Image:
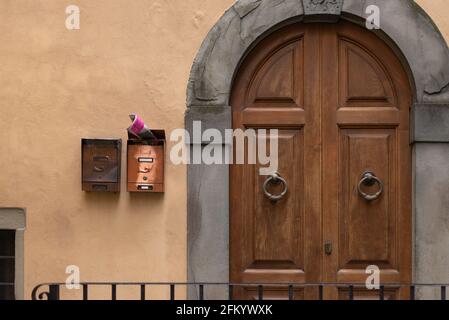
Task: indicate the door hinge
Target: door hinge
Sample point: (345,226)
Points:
(328,248)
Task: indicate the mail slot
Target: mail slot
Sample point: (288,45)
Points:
(101,163)
(146,160)
(146,163)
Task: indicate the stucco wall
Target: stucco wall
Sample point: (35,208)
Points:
(438,11)
(58,86)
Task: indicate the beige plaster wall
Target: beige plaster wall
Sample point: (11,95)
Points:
(439,12)
(58,86)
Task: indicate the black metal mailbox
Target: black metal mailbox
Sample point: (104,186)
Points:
(101,165)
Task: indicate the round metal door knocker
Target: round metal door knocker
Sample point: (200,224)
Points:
(369,179)
(276,179)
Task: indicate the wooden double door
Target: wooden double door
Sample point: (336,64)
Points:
(341,99)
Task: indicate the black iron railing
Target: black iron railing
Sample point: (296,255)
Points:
(51,291)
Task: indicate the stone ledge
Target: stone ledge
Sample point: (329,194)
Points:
(430,123)
(12,218)
(211,117)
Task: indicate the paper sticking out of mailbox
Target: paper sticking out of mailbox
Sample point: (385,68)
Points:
(139,128)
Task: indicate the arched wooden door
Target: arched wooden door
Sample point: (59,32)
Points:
(341,101)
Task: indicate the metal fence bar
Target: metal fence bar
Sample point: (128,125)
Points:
(142,292)
(172,292)
(382,293)
(260,290)
(412,292)
(290,292)
(230,291)
(201,288)
(53,293)
(85,292)
(114,291)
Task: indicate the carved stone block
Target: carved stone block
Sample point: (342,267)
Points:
(322,7)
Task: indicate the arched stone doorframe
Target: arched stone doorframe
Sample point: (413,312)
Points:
(415,38)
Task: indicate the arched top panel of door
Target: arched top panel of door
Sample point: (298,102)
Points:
(274,73)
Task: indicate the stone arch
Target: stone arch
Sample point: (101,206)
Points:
(246,21)
(415,38)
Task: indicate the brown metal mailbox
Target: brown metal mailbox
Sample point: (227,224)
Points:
(101,165)
(146,162)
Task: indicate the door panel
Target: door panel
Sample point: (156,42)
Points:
(278,80)
(367,229)
(273,245)
(365,116)
(340,99)
(272,293)
(269,240)
(363,80)
(278,231)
